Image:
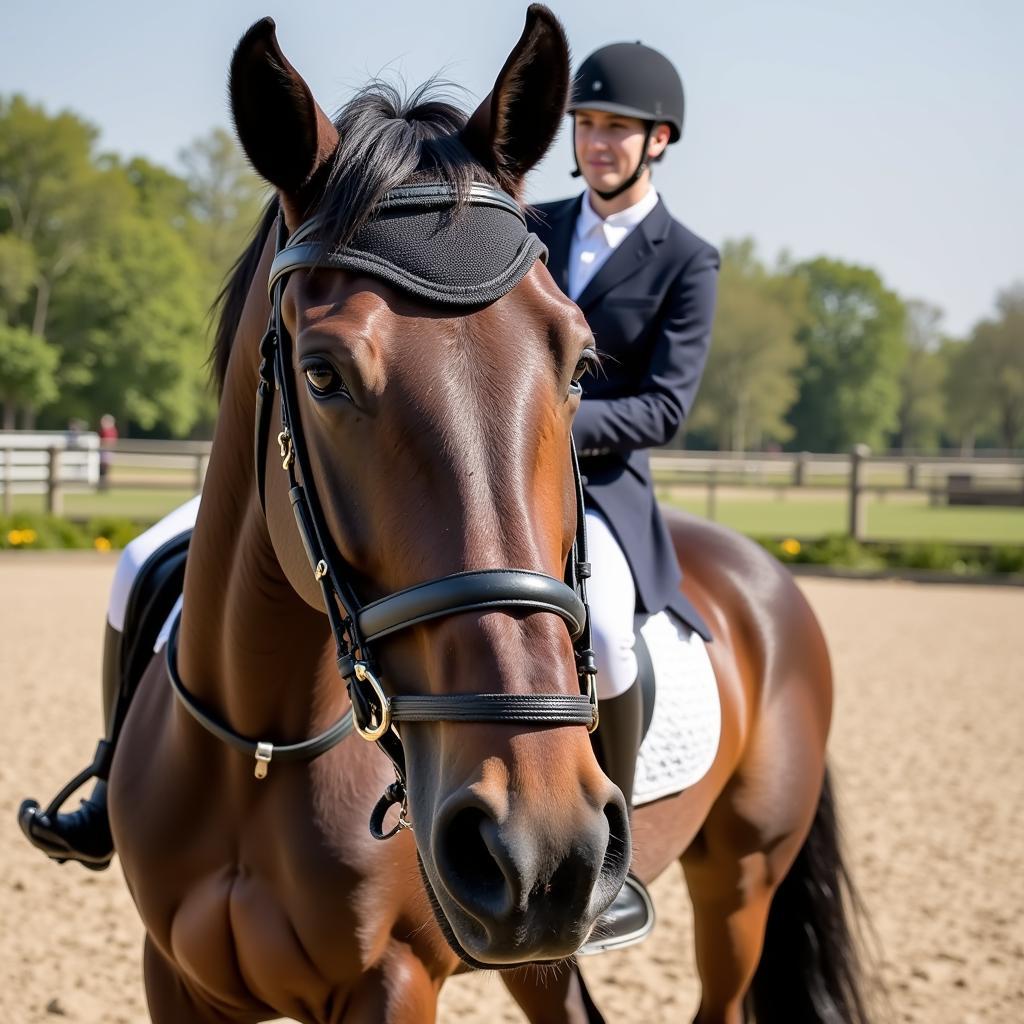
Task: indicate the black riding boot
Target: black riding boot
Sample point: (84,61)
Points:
(630,918)
(82,835)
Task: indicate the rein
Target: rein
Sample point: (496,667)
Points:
(494,232)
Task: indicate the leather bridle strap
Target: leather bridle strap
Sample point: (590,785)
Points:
(303,751)
(482,590)
(551,708)
(488,707)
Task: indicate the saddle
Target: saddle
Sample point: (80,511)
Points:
(154,593)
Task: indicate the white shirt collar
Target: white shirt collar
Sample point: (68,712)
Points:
(616,225)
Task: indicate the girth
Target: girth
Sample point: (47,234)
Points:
(493,228)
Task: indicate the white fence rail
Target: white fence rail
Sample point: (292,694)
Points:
(50,463)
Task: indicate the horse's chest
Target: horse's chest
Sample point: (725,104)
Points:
(237,941)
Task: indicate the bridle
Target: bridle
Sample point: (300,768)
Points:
(355,626)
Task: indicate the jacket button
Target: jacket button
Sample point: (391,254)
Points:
(583,478)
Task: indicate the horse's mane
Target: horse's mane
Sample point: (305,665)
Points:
(387,140)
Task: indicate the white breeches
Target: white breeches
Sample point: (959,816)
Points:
(611,595)
(135,554)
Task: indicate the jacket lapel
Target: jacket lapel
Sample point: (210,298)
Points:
(629,257)
(559,241)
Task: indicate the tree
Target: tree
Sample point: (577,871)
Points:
(855,349)
(131,325)
(922,409)
(55,196)
(990,371)
(27,372)
(225,201)
(969,413)
(750,379)
(18,274)
(162,196)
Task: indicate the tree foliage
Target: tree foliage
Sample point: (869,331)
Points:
(225,199)
(855,349)
(115,264)
(749,383)
(922,409)
(27,372)
(132,329)
(988,374)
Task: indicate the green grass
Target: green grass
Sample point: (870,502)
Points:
(904,519)
(142,504)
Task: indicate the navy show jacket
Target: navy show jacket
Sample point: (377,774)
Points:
(650,306)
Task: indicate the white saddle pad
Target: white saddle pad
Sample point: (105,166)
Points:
(682,741)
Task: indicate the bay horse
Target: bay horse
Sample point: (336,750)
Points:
(427,452)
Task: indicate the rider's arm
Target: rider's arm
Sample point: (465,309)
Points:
(654,413)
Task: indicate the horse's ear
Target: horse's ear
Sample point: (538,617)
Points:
(282,129)
(516,124)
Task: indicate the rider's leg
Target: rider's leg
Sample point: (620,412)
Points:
(84,834)
(611,595)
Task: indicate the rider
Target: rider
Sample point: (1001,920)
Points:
(646,285)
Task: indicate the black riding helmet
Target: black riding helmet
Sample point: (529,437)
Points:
(634,80)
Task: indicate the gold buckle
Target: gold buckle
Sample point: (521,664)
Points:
(284,441)
(373,733)
(592,695)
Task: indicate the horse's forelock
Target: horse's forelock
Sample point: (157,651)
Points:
(387,140)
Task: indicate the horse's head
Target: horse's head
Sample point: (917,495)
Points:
(437,442)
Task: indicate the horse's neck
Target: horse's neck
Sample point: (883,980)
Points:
(249,646)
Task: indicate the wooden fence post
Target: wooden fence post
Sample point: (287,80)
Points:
(202,464)
(712,494)
(858,495)
(799,469)
(8,482)
(54,493)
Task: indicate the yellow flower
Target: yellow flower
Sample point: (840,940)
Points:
(791,546)
(101,544)
(14,538)
(28,536)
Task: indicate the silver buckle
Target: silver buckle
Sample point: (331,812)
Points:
(264,752)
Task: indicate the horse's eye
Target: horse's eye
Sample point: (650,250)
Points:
(324,379)
(587,364)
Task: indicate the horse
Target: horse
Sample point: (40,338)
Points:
(425,539)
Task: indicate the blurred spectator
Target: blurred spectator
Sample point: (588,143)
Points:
(108,438)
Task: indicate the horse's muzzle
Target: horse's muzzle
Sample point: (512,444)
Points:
(515,889)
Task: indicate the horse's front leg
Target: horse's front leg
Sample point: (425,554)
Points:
(170,1001)
(550,995)
(399,990)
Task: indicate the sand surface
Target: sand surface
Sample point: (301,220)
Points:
(927,749)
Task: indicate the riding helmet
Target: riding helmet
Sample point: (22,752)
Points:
(631,79)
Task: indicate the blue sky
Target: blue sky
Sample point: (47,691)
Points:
(888,134)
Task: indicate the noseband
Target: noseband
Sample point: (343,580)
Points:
(420,243)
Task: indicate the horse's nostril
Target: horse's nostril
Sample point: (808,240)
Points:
(619,849)
(473,874)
